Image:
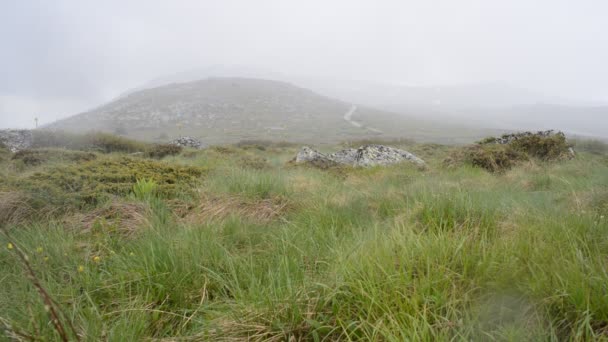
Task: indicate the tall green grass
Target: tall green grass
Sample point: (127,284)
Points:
(387,254)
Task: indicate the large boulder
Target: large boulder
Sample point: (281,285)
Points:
(188,142)
(347,156)
(364,156)
(372,155)
(313,157)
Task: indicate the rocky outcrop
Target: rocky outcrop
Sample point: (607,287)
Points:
(16,139)
(364,156)
(372,155)
(314,157)
(188,142)
(348,156)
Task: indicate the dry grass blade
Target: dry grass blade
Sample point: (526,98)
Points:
(215,208)
(127,217)
(14,208)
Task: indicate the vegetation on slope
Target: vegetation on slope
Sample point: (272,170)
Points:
(283,253)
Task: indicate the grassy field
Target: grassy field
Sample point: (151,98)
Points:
(234,243)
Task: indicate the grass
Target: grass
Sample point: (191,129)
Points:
(285,253)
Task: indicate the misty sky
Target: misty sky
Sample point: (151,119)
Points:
(62,57)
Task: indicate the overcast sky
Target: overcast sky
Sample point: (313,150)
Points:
(62,57)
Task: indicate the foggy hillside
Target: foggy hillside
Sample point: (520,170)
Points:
(222,110)
(495,105)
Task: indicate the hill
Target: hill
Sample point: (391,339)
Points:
(226,110)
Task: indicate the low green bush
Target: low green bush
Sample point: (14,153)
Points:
(500,154)
(549,147)
(100,142)
(35,157)
(160,151)
(494,158)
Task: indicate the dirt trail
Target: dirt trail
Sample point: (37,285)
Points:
(348,117)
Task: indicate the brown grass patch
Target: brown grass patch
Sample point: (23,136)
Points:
(125,218)
(14,208)
(216,208)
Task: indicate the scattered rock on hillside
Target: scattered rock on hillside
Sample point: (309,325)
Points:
(188,142)
(348,156)
(367,155)
(372,155)
(307,154)
(16,140)
(316,158)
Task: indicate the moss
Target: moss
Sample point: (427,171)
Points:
(35,157)
(84,184)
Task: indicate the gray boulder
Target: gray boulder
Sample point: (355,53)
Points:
(188,142)
(364,156)
(307,154)
(348,156)
(372,155)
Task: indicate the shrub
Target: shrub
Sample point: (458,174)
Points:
(109,143)
(101,142)
(494,158)
(549,147)
(41,156)
(546,145)
(499,154)
(160,151)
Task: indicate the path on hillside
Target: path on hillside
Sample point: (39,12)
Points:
(348,117)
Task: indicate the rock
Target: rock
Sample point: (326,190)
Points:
(188,142)
(372,155)
(316,158)
(348,156)
(307,154)
(16,139)
(364,156)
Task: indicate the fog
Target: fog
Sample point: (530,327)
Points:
(62,57)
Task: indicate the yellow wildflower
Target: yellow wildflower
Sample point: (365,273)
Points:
(39,250)
(10,246)
(81,268)
(97,258)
